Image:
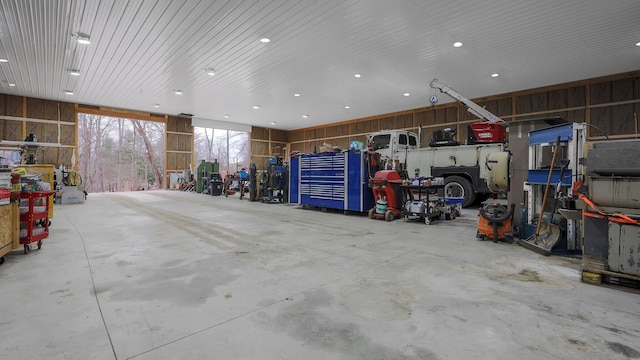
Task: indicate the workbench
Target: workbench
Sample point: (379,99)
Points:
(9,228)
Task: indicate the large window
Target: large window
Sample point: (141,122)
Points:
(116,154)
(229,148)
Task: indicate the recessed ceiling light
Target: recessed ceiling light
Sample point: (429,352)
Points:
(68,92)
(84,39)
(4,60)
(357,75)
(210,71)
(347,107)
(177,92)
(305,116)
(12,84)
(74,72)
(296,94)
(265,40)
(273,123)
(256,107)
(457,44)
(406,94)
(226,116)
(495,75)
(156,105)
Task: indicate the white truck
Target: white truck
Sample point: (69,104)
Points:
(469,171)
(474,170)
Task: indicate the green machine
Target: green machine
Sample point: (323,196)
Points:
(204,171)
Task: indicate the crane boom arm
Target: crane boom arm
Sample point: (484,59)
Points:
(472,107)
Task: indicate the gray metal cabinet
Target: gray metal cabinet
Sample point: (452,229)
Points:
(624,248)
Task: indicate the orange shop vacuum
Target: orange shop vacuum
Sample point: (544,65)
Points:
(495,222)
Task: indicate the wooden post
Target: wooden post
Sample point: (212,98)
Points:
(15,224)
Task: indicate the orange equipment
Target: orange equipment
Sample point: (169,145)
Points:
(495,222)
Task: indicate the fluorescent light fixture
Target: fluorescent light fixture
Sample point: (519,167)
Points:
(256,107)
(74,72)
(12,84)
(265,40)
(406,94)
(177,92)
(637,44)
(226,116)
(457,44)
(210,71)
(273,123)
(347,107)
(68,92)
(494,75)
(84,40)
(357,75)
(296,95)
(7,60)
(305,116)
(156,105)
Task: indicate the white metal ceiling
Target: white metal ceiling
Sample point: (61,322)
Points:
(143,50)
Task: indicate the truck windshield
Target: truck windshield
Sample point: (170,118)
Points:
(381,142)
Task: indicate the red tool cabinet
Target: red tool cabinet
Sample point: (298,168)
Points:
(34,217)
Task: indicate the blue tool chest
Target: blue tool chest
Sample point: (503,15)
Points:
(332,180)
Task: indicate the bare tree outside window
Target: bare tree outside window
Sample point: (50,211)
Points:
(212,144)
(116,154)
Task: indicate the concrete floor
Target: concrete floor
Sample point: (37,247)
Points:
(173,275)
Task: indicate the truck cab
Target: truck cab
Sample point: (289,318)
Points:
(390,145)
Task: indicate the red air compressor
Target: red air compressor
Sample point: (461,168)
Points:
(387,194)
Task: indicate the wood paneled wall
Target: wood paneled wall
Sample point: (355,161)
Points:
(180,154)
(50,121)
(20,116)
(610,103)
(267,142)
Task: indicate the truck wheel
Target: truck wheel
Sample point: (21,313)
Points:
(457,186)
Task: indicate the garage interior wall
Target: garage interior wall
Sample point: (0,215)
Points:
(267,142)
(180,154)
(20,116)
(611,103)
(49,120)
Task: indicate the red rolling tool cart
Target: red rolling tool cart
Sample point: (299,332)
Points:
(34,212)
